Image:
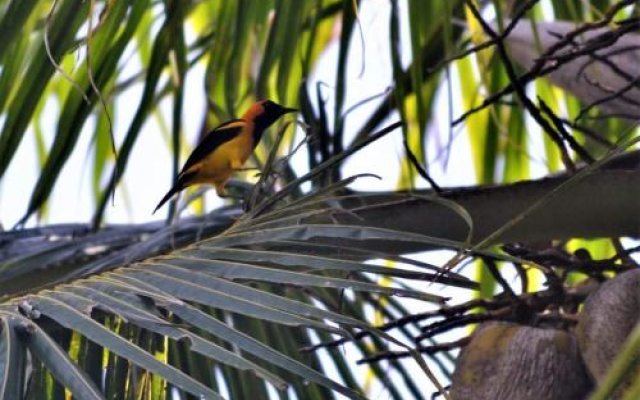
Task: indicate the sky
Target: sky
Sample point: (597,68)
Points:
(148,174)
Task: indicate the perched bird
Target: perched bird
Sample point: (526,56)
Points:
(225,149)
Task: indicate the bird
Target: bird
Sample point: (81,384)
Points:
(226,148)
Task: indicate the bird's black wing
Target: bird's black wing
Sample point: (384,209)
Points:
(213,140)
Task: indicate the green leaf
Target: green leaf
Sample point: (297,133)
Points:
(71,318)
(133,309)
(234,270)
(159,59)
(219,293)
(106,50)
(320,263)
(61,31)
(56,360)
(244,342)
(12,359)
(13,21)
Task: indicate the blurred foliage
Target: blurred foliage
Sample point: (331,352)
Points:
(66,66)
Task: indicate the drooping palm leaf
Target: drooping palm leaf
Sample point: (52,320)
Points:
(154,294)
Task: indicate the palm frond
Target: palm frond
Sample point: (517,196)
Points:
(168,295)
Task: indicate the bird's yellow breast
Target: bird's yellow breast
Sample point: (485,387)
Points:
(218,166)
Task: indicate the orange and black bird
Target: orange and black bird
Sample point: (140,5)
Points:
(225,149)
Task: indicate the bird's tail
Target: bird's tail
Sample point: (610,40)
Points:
(175,189)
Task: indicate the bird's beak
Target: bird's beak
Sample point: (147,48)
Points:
(289,110)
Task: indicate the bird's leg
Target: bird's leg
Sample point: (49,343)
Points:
(236,166)
(222,192)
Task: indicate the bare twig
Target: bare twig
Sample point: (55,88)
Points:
(519,88)
(421,170)
(543,65)
(432,349)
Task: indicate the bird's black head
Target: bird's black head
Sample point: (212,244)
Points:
(265,113)
(275,109)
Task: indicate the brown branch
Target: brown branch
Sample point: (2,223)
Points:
(565,135)
(543,66)
(613,95)
(519,88)
(432,349)
(589,133)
